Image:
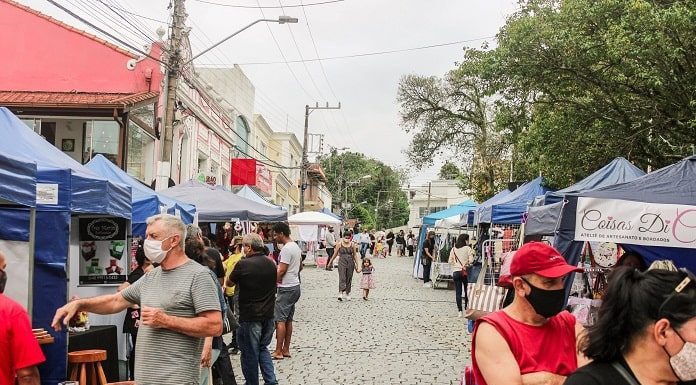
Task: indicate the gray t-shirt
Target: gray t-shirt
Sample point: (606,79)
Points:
(291,254)
(164,356)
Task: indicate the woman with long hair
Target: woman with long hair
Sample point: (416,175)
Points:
(645,333)
(460,258)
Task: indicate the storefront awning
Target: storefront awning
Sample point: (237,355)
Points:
(75,100)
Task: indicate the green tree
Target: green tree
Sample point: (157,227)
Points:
(458,114)
(449,171)
(599,79)
(354,178)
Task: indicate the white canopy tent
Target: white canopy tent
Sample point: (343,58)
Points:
(314,218)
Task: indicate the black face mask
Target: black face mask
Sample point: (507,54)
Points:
(546,303)
(3,280)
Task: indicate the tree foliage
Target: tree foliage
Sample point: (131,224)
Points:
(354,178)
(571,85)
(449,171)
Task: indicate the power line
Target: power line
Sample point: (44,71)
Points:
(357,55)
(128,21)
(105,17)
(268,7)
(78,17)
(285,60)
(135,14)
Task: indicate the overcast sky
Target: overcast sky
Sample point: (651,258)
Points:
(366,86)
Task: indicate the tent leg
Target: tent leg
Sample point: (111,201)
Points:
(32,246)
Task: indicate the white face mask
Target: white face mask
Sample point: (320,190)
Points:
(153,250)
(684,362)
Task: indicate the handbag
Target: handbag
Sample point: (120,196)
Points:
(484,298)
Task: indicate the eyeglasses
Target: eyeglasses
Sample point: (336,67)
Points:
(690,279)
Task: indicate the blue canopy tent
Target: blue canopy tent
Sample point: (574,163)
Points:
(470,218)
(144,200)
(64,187)
(251,194)
(220,205)
(617,171)
(674,184)
(429,221)
(543,214)
(18,189)
(326,211)
(511,208)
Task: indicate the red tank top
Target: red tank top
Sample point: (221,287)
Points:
(548,348)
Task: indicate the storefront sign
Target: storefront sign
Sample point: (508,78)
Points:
(103,251)
(46,194)
(264,180)
(208,178)
(638,223)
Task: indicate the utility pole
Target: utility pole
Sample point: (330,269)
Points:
(172,81)
(305,159)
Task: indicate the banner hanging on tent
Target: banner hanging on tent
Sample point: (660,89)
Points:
(638,223)
(102,251)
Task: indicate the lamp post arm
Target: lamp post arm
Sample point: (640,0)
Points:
(227,38)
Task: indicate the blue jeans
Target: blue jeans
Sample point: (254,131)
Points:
(363,249)
(253,339)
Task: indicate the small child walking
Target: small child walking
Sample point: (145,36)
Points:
(367,281)
(379,247)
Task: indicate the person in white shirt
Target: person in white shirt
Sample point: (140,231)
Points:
(460,258)
(289,266)
(364,243)
(330,242)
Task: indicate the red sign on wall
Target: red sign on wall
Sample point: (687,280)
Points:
(243,171)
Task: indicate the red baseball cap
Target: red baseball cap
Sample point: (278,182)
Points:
(542,259)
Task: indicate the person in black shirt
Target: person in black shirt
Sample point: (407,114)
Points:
(255,277)
(390,241)
(645,332)
(427,257)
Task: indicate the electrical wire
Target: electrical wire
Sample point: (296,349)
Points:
(366,54)
(90,24)
(104,16)
(128,21)
(118,8)
(268,7)
(285,60)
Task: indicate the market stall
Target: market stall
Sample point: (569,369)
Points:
(66,193)
(543,214)
(428,223)
(252,195)
(145,201)
(219,205)
(654,216)
(306,227)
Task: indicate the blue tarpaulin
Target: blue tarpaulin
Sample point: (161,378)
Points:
(328,212)
(617,171)
(511,208)
(71,189)
(543,218)
(17,181)
(88,193)
(675,184)
(145,201)
(470,218)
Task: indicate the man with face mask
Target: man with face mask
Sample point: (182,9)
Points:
(19,350)
(179,307)
(532,341)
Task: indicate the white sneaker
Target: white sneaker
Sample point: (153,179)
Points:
(427,284)
(459,315)
(340,296)
(347,297)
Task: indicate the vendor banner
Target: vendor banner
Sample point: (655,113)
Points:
(103,251)
(638,223)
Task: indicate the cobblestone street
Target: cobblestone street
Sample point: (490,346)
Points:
(404,334)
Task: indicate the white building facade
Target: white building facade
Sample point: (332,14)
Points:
(443,194)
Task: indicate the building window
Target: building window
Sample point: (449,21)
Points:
(141,153)
(101,137)
(242,129)
(423,211)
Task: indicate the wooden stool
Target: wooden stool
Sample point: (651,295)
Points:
(82,360)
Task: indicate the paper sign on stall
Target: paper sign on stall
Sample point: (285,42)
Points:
(638,223)
(103,251)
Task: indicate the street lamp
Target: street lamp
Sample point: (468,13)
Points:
(279,20)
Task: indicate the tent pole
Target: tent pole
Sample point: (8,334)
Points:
(32,245)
